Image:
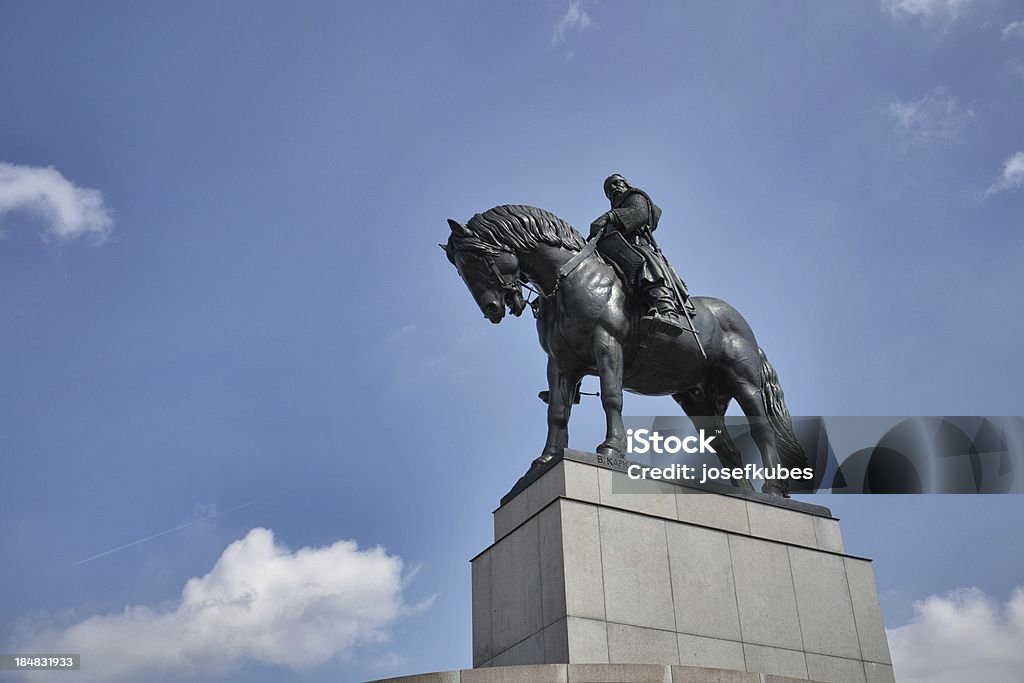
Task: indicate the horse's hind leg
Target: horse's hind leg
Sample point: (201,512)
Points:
(748,395)
(708,413)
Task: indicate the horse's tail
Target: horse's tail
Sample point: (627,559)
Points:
(791,453)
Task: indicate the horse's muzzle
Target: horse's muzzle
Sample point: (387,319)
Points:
(494,312)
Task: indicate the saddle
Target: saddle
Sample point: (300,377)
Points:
(625,258)
(628,263)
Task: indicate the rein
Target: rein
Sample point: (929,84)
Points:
(511,284)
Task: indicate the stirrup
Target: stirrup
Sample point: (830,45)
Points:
(666,324)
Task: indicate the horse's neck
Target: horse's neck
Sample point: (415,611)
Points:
(541,266)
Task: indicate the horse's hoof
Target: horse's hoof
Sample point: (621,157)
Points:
(544,459)
(609,451)
(775,489)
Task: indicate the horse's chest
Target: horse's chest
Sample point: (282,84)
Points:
(570,347)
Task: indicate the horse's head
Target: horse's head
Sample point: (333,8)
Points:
(491,273)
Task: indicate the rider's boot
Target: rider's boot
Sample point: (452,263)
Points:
(662,312)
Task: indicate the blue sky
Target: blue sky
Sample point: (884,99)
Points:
(223,307)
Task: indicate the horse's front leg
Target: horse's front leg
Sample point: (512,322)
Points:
(561,392)
(608,354)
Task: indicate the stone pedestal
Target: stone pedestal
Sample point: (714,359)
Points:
(590,567)
(593,673)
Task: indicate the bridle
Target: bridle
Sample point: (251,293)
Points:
(509,283)
(512,284)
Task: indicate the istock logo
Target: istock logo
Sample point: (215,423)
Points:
(646,441)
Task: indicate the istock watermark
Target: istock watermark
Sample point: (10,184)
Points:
(677,472)
(827,454)
(643,441)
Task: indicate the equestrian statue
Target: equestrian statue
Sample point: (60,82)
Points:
(612,306)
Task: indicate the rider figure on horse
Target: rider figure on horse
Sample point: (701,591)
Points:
(625,238)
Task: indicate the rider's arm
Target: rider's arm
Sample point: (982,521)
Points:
(601,222)
(632,215)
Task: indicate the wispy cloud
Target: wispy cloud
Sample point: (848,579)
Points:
(575,18)
(1012,177)
(260,603)
(1013,30)
(388,661)
(400,333)
(961,636)
(937,118)
(933,14)
(1016,67)
(205,513)
(66,211)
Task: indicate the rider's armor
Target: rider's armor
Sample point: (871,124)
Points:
(628,243)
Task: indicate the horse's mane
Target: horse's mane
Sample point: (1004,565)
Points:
(519,228)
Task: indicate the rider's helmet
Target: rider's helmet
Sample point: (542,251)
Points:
(615,181)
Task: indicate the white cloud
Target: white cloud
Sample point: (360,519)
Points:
(1016,67)
(574,19)
(68,211)
(937,14)
(961,636)
(260,603)
(1013,175)
(404,332)
(934,119)
(1013,30)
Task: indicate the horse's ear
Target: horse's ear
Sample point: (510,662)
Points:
(458,228)
(447,252)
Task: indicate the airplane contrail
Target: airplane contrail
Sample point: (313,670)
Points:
(182,526)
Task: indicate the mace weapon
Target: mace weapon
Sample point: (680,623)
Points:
(677,289)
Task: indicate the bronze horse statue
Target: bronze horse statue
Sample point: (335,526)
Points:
(589,324)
